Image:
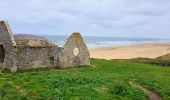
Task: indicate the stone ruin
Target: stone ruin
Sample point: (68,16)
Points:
(25,51)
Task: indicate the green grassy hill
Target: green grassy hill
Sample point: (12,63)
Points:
(108,80)
(160,61)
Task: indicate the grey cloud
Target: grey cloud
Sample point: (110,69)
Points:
(139,18)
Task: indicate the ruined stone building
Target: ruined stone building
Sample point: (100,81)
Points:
(29,51)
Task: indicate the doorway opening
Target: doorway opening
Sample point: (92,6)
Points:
(51,61)
(2,53)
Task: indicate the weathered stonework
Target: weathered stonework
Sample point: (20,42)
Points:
(76,41)
(29,51)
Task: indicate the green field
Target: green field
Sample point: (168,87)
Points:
(107,80)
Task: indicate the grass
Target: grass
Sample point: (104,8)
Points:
(160,61)
(107,81)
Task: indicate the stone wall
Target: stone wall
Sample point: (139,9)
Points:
(8,43)
(75,41)
(29,58)
(40,53)
(57,54)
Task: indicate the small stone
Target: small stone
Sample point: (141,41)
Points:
(13,69)
(93,66)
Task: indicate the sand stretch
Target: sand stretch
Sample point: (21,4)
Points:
(149,50)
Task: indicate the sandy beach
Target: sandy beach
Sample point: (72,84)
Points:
(149,50)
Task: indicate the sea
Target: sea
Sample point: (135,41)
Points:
(98,42)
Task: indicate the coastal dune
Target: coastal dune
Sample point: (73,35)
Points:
(147,50)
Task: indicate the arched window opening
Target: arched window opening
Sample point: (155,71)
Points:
(76,51)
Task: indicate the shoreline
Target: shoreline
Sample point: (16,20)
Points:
(144,50)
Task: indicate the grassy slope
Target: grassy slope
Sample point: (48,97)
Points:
(108,80)
(160,61)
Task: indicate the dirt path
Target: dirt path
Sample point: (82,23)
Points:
(152,95)
(19,88)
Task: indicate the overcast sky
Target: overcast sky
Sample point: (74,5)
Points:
(116,18)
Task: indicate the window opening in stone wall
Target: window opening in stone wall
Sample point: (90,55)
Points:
(76,51)
(51,61)
(2,54)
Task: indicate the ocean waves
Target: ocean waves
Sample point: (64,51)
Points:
(97,42)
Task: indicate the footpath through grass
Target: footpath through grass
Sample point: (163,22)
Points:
(108,80)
